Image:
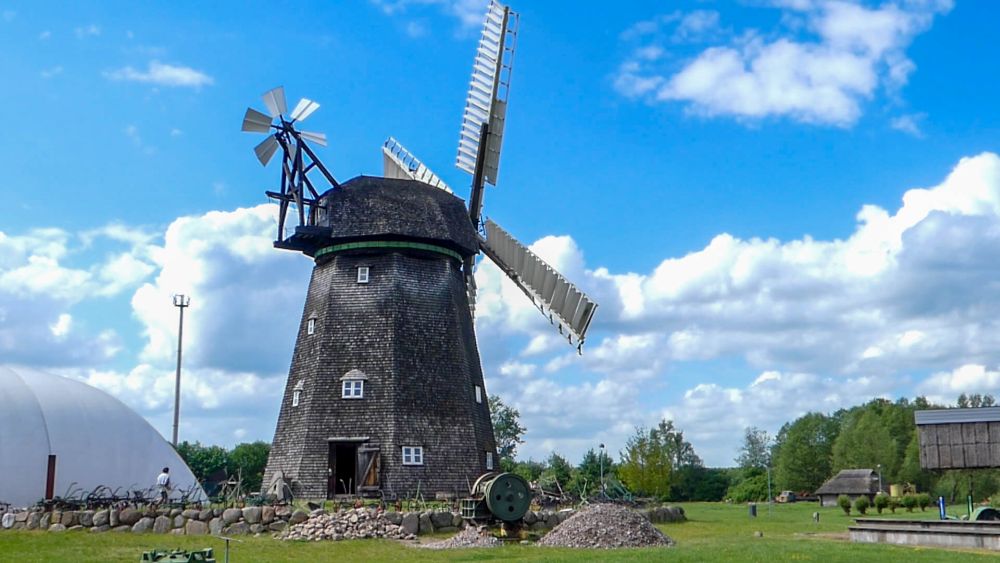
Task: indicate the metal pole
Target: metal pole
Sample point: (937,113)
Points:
(769,496)
(602,469)
(180,301)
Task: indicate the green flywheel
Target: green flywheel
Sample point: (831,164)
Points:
(508,497)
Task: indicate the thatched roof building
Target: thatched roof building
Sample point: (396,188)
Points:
(851,482)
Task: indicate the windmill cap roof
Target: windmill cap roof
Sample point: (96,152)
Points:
(369,208)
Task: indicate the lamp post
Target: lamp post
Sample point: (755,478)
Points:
(879,468)
(602,468)
(181,301)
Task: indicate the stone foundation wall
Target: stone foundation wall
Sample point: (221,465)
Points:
(260,520)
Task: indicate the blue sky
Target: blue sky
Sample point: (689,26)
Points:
(726,178)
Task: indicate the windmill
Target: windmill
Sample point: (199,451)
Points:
(385,393)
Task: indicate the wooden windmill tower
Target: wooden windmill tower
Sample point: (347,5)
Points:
(385,394)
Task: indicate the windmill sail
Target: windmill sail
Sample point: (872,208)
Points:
(400,163)
(547,288)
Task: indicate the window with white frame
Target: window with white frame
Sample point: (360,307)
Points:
(297,394)
(362,274)
(413,455)
(353,389)
(489,460)
(311,326)
(479,394)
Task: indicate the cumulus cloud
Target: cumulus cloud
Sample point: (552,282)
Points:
(821,75)
(469,13)
(163,74)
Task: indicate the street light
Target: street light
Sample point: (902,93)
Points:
(879,468)
(602,469)
(181,302)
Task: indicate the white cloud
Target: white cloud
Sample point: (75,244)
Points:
(51,72)
(83,32)
(163,75)
(944,387)
(62,326)
(469,13)
(853,51)
(909,124)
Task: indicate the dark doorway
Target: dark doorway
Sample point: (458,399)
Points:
(342,469)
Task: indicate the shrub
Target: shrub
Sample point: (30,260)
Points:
(844,502)
(861,504)
(923,501)
(881,502)
(909,502)
(893,504)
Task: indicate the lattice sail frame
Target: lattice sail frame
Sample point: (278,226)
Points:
(401,163)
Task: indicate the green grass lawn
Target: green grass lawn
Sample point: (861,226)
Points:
(714,532)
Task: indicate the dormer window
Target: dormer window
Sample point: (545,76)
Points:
(479,394)
(297,393)
(353,384)
(489,460)
(311,326)
(362,274)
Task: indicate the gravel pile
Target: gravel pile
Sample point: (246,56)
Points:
(605,526)
(471,536)
(351,524)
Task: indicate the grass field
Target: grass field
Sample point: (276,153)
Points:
(714,532)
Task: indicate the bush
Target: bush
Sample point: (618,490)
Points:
(844,502)
(923,501)
(751,489)
(909,502)
(881,502)
(893,504)
(861,504)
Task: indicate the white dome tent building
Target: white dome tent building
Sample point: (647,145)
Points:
(57,433)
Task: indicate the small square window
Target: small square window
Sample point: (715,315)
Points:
(353,389)
(311,326)
(479,394)
(489,460)
(413,455)
(295,398)
(362,274)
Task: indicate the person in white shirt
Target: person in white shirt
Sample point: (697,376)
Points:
(163,484)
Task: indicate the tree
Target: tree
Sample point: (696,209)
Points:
(865,442)
(249,459)
(203,460)
(557,469)
(507,429)
(803,460)
(650,456)
(587,477)
(756,450)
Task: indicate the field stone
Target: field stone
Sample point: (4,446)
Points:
(394,518)
(87,518)
(256,528)
(441,519)
(191,513)
(215,526)
(196,528)
(176,512)
(44,521)
(425,524)
(57,528)
(74,528)
(161,525)
(237,529)
(251,514)
(7,521)
(144,524)
(410,523)
(456,520)
(33,520)
(277,526)
(530,517)
(205,515)
(298,517)
(178,521)
(231,515)
(177,531)
(113,518)
(21,517)
(100,529)
(101,518)
(56,517)
(129,516)
(70,518)
(122,528)
(283,512)
(267,515)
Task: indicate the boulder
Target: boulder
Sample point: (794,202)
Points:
(21,517)
(425,524)
(196,528)
(266,515)
(277,526)
(394,517)
(205,515)
(75,528)
(456,520)
(56,517)
(101,528)
(33,520)
(113,518)
(256,528)
(283,512)
(87,518)
(144,524)
(441,519)
(251,515)
(7,521)
(101,518)
(19,525)
(176,512)
(191,513)
(129,516)
(530,517)
(410,523)
(162,525)
(57,528)
(70,518)
(232,515)
(318,512)
(122,528)
(178,521)
(237,529)
(298,517)
(215,526)
(44,521)
(177,532)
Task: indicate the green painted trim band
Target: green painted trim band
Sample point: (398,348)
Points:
(388,245)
